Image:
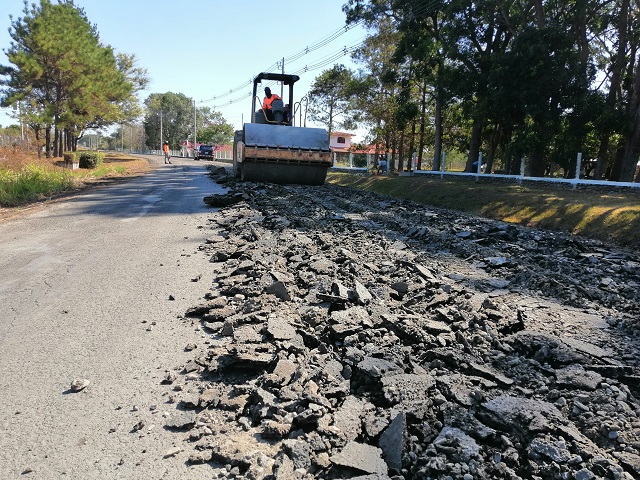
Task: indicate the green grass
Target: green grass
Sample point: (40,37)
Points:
(31,183)
(27,180)
(105,170)
(611,217)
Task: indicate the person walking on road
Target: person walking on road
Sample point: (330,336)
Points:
(167,155)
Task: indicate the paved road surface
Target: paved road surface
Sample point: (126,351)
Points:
(84,288)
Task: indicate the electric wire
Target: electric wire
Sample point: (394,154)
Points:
(315,46)
(309,67)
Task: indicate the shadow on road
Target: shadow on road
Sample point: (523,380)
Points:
(171,190)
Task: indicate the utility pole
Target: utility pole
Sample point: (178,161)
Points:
(282,84)
(195,122)
(161,139)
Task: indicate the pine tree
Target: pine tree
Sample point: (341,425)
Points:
(69,80)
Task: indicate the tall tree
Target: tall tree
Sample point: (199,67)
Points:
(169,117)
(330,98)
(378,88)
(213,129)
(66,77)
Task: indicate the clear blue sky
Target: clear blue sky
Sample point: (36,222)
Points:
(205,48)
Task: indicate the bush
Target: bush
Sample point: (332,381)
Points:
(90,159)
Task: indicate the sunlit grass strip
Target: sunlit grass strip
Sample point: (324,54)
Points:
(104,170)
(608,217)
(32,182)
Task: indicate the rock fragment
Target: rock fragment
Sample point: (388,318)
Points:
(363,457)
(345,340)
(79,384)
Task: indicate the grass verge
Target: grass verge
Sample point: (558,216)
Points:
(25,178)
(608,216)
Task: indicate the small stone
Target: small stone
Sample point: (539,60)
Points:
(172,452)
(79,384)
(169,378)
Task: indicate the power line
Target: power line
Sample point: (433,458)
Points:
(307,68)
(327,60)
(307,50)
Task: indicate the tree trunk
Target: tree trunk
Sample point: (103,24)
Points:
(394,150)
(47,137)
(401,152)
(412,146)
(616,78)
(602,154)
(493,148)
(437,144)
(538,164)
(59,143)
(474,144)
(632,139)
(56,141)
(36,132)
(539,13)
(423,119)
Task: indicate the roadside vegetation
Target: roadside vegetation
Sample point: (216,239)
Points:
(25,178)
(608,216)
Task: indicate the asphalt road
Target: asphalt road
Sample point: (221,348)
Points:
(85,288)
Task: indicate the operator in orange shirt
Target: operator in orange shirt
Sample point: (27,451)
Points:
(266,103)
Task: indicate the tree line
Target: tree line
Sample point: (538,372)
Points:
(508,78)
(64,81)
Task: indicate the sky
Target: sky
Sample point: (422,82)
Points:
(206,49)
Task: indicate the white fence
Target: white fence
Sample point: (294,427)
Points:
(480,175)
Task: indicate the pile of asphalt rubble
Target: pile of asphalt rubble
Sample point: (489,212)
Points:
(350,335)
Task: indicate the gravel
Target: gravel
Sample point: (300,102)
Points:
(350,335)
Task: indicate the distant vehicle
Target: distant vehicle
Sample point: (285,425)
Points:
(204,151)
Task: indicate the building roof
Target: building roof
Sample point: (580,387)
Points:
(341,134)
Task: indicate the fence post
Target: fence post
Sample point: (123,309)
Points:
(522,164)
(350,160)
(443,161)
(578,168)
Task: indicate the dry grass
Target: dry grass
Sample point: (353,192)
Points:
(14,158)
(611,217)
(25,177)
